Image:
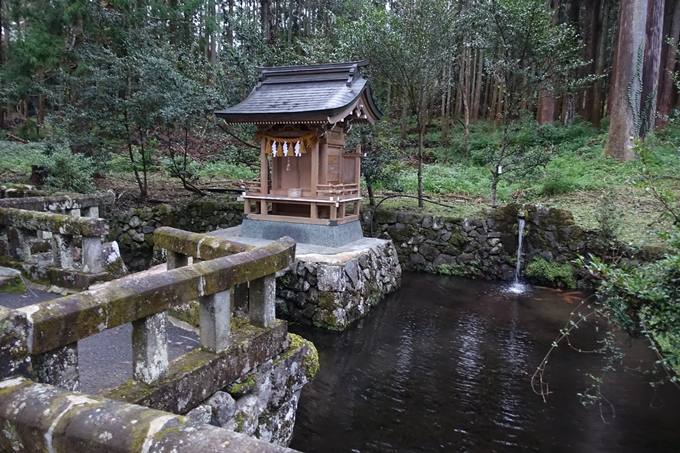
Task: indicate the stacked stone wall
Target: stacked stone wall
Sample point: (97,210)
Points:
(262,403)
(331,291)
(485,247)
(133,228)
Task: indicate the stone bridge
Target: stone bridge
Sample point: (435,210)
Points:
(245,352)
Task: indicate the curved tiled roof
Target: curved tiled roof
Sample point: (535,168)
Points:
(303,94)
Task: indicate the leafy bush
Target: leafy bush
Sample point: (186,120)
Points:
(225,170)
(69,171)
(608,216)
(556,184)
(550,273)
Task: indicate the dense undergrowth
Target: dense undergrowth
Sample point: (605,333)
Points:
(577,178)
(601,193)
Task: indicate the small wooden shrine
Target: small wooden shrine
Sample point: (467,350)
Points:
(307,177)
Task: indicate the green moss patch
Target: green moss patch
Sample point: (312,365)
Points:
(542,272)
(14,286)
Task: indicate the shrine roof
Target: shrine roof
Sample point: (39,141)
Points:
(307,94)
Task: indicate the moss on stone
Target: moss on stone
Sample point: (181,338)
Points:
(243,386)
(311,360)
(240,419)
(14,286)
(456,270)
(327,320)
(550,273)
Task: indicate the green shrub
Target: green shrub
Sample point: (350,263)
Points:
(19,158)
(547,273)
(69,171)
(556,184)
(225,170)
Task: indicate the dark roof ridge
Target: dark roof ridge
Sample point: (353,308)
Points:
(312,67)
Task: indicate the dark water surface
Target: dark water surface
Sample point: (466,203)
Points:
(444,364)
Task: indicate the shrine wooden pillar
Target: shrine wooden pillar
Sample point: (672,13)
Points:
(264,174)
(315,180)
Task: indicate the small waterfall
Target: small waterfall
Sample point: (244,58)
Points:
(519,251)
(518,287)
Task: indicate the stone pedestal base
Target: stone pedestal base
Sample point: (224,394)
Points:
(324,235)
(331,291)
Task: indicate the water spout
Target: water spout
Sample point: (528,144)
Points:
(519,251)
(517,287)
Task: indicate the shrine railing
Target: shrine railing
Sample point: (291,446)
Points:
(337,191)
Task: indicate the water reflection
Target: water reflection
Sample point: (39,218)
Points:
(445,364)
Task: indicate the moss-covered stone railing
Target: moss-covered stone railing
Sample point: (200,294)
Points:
(179,246)
(43,418)
(52,329)
(19,227)
(85,205)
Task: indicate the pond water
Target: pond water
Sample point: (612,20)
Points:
(444,364)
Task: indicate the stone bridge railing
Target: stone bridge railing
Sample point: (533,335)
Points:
(179,246)
(76,205)
(19,228)
(40,341)
(69,228)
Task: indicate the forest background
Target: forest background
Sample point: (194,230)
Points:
(569,103)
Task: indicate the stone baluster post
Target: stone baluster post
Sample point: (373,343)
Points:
(215,321)
(19,245)
(262,295)
(58,367)
(92,254)
(150,348)
(62,250)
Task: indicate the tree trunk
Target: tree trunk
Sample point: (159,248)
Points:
(546,107)
(445,111)
(615,58)
(594,37)
(569,104)
(41,97)
(666,84)
(388,107)
(230,26)
(2,29)
(371,195)
(651,66)
(404,118)
(598,88)
(420,162)
(626,80)
(466,101)
(494,187)
(213,33)
(492,104)
(499,106)
(460,92)
(478,86)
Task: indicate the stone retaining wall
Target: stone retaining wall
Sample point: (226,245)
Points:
(486,247)
(263,402)
(40,418)
(331,291)
(133,228)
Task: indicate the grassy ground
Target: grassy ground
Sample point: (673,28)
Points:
(578,178)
